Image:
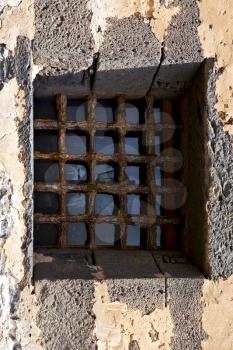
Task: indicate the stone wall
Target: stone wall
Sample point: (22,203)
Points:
(87,46)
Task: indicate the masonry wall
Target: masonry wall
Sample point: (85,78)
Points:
(104,46)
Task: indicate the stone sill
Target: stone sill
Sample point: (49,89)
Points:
(54,264)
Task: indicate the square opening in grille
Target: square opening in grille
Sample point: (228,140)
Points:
(136,174)
(137,204)
(46,171)
(76,233)
(106,142)
(76,172)
(106,172)
(46,202)
(45,235)
(77,110)
(105,111)
(106,234)
(134,143)
(136,236)
(135,111)
(106,204)
(100,178)
(45,108)
(76,203)
(76,142)
(46,141)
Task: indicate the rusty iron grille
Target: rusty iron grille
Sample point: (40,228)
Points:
(57,227)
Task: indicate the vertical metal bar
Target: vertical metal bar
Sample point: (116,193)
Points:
(122,165)
(91,164)
(170,235)
(150,148)
(61,102)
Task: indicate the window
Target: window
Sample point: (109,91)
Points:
(106,174)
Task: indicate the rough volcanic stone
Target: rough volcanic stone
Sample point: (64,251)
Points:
(132,273)
(65,290)
(63,40)
(128,57)
(182,48)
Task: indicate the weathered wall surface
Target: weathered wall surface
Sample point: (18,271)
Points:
(90,45)
(216,34)
(16,175)
(217,317)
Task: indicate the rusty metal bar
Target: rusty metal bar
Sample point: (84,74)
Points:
(112,188)
(150,148)
(141,220)
(91,163)
(170,234)
(122,163)
(42,124)
(106,157)
(61,102)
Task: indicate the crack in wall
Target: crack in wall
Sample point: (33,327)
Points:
(157,70)
(93,70)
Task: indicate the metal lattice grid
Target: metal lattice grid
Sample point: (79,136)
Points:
(155,228)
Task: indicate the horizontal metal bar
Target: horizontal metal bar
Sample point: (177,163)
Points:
(43,124)
(72,248)
(141,220)
(106,157)
(113,188)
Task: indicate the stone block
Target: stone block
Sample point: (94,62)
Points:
(128,57)
(132,273)
(65,316)
(63,39)
(183,297)
(58,265)
(175,265)
(184,301)
(71,84)
(126,264)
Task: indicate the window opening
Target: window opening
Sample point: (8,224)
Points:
(101,176)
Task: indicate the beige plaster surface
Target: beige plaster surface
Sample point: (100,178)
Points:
(14,20)
(159,16)
(116,325)
(4,3)
(12,106)
(217,316)
(17,20)
(28,334)
(216,35)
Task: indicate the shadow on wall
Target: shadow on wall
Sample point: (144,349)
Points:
(170,82)
(111,264)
